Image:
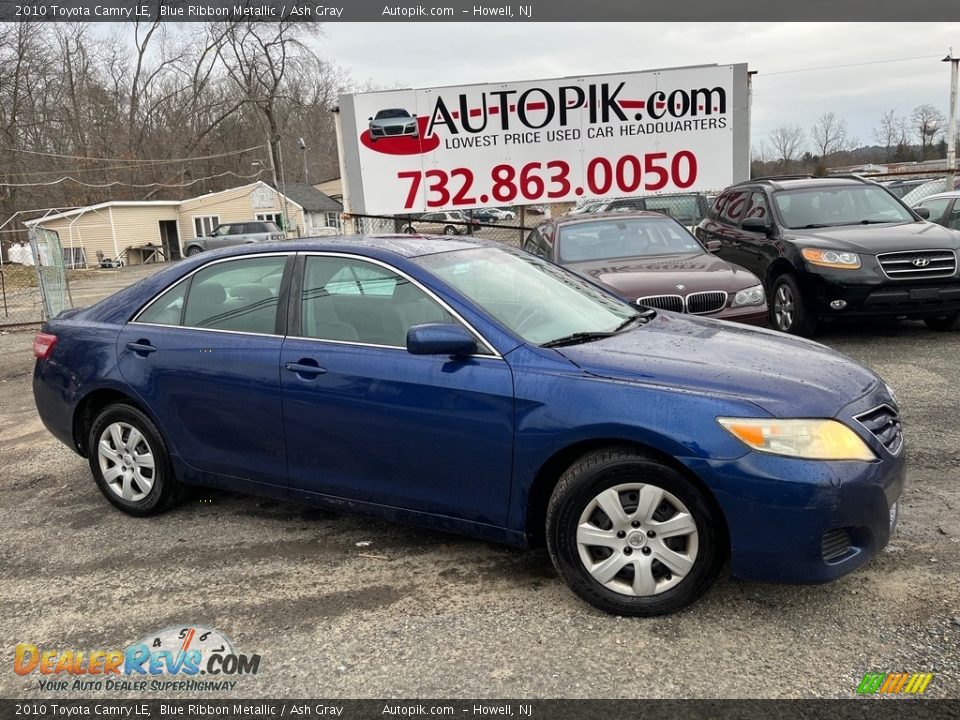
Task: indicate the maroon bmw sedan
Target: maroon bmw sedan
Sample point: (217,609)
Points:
(651,259)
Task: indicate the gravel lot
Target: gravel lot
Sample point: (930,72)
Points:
(421,614)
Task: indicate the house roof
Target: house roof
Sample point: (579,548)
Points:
(99,206)
(309,198)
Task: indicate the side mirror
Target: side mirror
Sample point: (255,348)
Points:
(754,224)
(713,246)
(922,212)
(414,115)
(440,339)
(369,118)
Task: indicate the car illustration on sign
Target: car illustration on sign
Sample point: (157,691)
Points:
(471,387)
(392,122)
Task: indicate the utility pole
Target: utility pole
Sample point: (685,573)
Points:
(952,126)
(306,174)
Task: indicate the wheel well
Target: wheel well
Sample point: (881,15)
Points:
(777,268)
(549,475)
(89,408)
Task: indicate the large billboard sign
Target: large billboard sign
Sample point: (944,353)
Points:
(410,151)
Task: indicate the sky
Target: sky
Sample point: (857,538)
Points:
(433,54)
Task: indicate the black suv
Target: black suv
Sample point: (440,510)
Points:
(836,247)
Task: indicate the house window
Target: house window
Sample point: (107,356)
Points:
(273,217)
(204,225)
(333,220)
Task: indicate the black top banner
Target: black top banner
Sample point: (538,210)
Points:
(475,10)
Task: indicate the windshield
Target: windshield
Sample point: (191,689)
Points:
(390,114)
(534,299)
(622,238)
(842,205)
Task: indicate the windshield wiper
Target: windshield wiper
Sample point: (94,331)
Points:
(576,338)
(646,316)
(583,337)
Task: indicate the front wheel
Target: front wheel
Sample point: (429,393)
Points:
(788,309)
(943,323)
(450,230)
(632,536)
(130,463)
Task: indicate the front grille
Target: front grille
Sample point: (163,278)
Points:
(918,264)
(663,302)
(835,544)
(393,130)
(701,303)
(884,423)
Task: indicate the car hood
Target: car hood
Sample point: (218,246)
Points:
(782,374)
(873,239)
(661,274)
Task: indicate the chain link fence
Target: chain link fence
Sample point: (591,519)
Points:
(33,278)
(507,231)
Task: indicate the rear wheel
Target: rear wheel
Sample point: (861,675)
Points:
(788,309)
(632,536)
(450,230)
(193,250)
(130,463)
(943,323)
(409,230)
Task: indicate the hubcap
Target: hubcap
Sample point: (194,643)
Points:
(642,518)
(126,461)
(783,308)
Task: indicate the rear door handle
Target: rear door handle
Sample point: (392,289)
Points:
(306,368)
(141,347)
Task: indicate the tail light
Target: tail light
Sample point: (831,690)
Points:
(43,345)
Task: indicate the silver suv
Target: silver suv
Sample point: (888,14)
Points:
(236,233)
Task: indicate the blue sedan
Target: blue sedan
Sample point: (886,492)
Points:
(471,387)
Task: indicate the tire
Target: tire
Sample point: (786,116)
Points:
(788,308)
(450,230)
(409,230)
(137,489)
(193,250)
(944,323)
(697,555)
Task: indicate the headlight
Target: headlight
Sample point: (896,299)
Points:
(749,296)
(831,258)
(810,439)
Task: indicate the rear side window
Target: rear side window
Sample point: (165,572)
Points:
(730,205)
(937,207)
(239,295)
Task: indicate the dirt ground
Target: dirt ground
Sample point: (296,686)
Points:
(422,614)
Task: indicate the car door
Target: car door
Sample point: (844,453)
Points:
(205,359)
(368,421)
(725,226)
(754,250)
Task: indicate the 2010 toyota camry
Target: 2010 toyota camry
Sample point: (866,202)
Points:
(470,387)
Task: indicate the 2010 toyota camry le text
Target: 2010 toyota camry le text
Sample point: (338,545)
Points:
(470,387)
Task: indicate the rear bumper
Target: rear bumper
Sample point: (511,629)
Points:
(803,521)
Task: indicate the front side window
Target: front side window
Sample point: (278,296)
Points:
(351,300)
(536,300)
(758,207)
(239,295)
(840,205)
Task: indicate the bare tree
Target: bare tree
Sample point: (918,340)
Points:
(891,133)
(829,136)
(928,122)
(786,143)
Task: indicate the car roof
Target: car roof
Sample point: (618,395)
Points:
(403,245)
(937,196)
(587,217)
(795,183)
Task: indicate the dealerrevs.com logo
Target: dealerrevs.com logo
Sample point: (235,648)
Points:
(188,658)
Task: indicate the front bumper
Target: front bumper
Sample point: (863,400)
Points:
(874,296)
(748,315)
(785,515)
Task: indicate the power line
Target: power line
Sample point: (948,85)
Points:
(849,65)
(130,185)
(131,160)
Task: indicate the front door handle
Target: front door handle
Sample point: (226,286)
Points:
(141,347)
(305,368)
